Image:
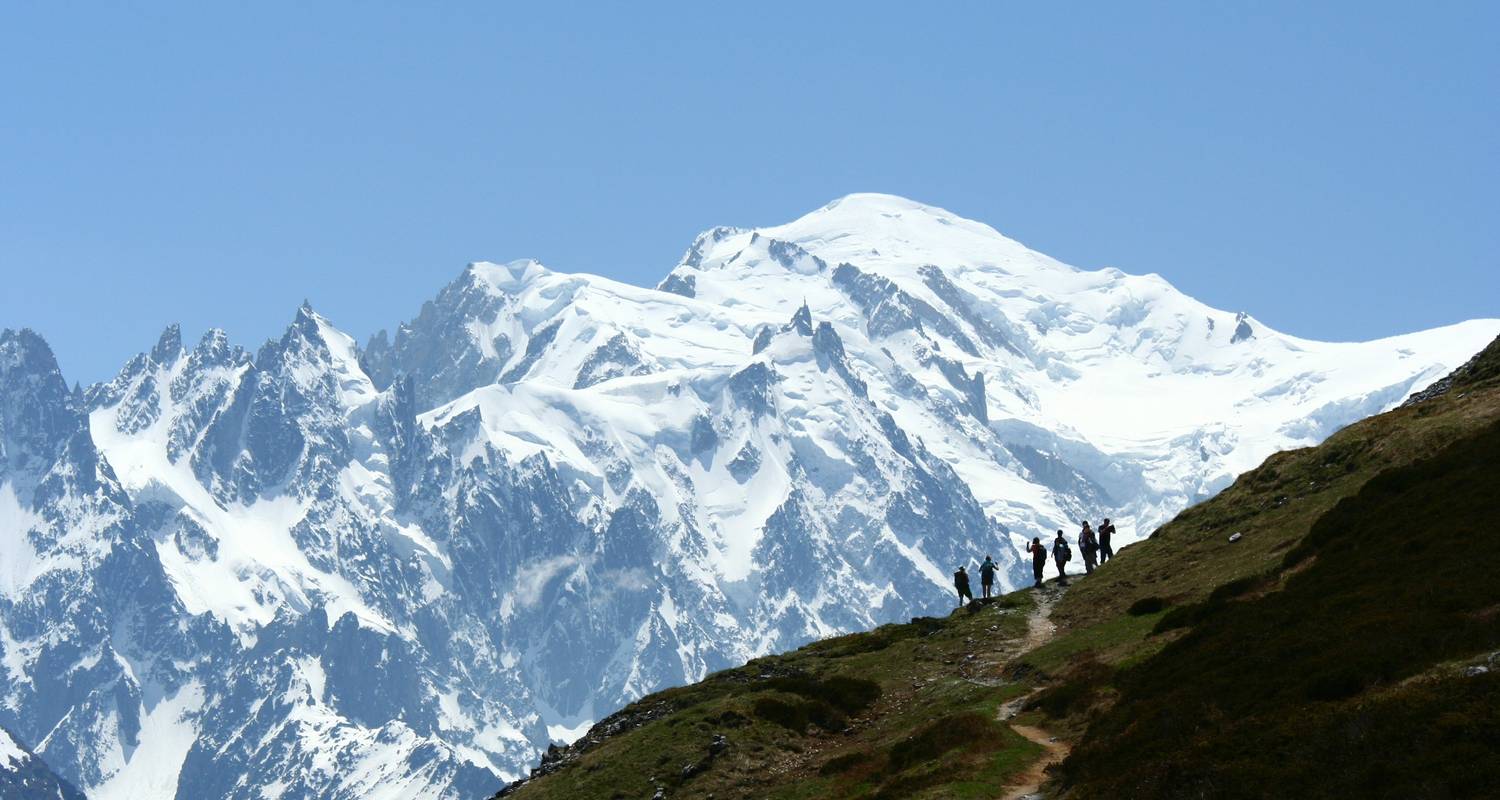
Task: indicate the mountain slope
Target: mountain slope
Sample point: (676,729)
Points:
(23,775)
(408,567)
(1359,660)
(1348,680)
(893,712)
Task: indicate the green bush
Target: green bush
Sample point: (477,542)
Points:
(1146,605)
(964,729)
(850,695)
(1181,617)
(792,716)
(1077,690)
(1235,588)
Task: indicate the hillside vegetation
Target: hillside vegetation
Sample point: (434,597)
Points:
(1343,645)
(896,712)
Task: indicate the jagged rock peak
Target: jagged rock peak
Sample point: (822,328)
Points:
(802,320)
(168,346)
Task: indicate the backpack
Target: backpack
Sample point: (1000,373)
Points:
(1065,552)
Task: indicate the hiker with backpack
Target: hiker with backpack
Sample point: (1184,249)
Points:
(1106,530)
(1062,554)
(1090,547)
(1038,553)
(987,576)
(961,583)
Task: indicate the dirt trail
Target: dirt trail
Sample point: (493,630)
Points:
(1027,785)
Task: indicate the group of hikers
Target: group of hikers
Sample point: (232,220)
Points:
(1095,545)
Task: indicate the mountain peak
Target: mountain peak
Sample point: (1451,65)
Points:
(510,276)
(877,201)
(874,206)
(870,228)
(24,351)
(168,345)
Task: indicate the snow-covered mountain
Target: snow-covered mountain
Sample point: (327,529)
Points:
(400,570)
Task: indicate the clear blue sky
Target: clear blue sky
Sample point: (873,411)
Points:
(1331,168)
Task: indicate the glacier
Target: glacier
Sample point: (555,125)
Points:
(400,569)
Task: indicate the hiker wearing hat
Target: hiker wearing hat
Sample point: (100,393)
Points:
(961,583)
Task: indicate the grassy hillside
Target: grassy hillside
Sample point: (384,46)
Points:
(896,712)
(1348,680)
(1325,652)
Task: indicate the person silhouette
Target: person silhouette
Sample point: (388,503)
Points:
(961,583)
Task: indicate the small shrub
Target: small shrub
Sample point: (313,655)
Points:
(1180,617)
(1235,588)
(1146,605)
(795,715)
(1081,686)
(852,695)
(926,626)
(1057,701)
(792,716)
(965,729)
(825,716)
(873,641)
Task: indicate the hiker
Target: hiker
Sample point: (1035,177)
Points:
(1038,553)
(1090,547)
(1061,555)
(987,575)
(961,582)
(1106,530)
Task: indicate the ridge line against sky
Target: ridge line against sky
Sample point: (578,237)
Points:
(1330,170)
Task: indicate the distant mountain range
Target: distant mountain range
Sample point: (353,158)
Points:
(401,570)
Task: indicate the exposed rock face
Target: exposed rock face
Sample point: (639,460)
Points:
(24,775)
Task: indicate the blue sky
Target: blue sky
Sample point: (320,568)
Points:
(1331,169)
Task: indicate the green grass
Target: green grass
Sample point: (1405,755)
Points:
(825,720)
(963,754)
(1016,754)
(1307,688)
(1109,641)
